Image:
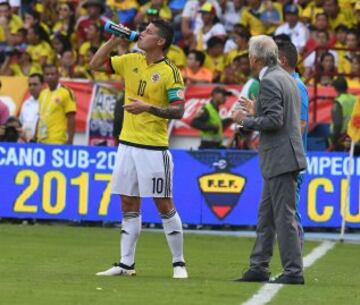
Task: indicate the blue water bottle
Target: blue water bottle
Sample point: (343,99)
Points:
(121,31)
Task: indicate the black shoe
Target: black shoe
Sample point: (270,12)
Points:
(254,276)
(288,279)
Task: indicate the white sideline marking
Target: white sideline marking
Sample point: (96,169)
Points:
(268,291)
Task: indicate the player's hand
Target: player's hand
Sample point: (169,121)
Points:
(136,106)
(248,104)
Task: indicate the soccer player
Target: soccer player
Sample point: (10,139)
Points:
(154,93)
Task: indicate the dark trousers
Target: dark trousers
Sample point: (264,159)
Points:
(204,144)
(276,216)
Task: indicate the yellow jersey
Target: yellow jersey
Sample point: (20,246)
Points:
(53,107)
(15,24)
(345,17)
(177,56)
(43,49)
(214,64)
(159,84)
(17,71)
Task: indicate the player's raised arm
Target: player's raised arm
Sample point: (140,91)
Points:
(99,62)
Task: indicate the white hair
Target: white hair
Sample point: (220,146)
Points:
(264,49)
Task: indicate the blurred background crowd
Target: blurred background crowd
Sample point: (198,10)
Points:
(211,36)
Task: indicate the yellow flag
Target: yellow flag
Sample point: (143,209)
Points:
(353,129)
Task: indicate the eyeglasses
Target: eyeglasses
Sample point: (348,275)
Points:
(33,84)
(64,9)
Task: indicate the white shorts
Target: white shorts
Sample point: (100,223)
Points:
(142,172)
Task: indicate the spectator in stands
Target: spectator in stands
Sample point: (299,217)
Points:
(321,24)
(57,108)
(251,17)
(60,43)
(215,58)
(345,57)
(9,22)
(340,34)
(340,114)
(354,80)
(67,64)
(94,38)
(271,15)
(95,9)
(310,64)
(65,24)
(240,39)
(238,72)
(191,18)
(125,10)
(24,66)
(310,12)
(83,71)
(209,122)
(161,8)
(33,18)
(177,56)
(295,29)
(29,113)
(338,16)
(210,28)
(195,73)
(231,13)
(38,45)
(327,69)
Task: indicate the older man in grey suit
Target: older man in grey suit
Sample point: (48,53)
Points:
(281,156)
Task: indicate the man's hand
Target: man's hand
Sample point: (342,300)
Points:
(248,104)
(238,115)
(136,106)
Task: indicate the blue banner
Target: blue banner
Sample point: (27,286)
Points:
(210,187)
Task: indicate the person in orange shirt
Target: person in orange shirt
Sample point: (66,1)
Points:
(195,73)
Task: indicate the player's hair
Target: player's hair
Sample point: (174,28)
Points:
(165,30)
(264,49)
(199,56)
(288,50)
(38,75)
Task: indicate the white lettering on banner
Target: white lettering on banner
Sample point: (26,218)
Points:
(70,158)
(23,156)
(80,158)
(335,166)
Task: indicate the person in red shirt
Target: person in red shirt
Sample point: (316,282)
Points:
(95,9)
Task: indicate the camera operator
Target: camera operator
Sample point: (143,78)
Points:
(12,131)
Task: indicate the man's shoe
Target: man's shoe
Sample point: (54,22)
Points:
(180,271)
(288,279)
(254,276)
(119,270)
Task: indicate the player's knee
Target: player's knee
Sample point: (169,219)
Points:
(130,204)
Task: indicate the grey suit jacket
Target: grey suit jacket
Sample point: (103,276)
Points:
(278,120)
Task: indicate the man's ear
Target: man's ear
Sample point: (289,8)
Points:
(161,42)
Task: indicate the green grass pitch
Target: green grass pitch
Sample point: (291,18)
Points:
(51,265)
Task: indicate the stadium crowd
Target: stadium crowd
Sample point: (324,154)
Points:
(211,37)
